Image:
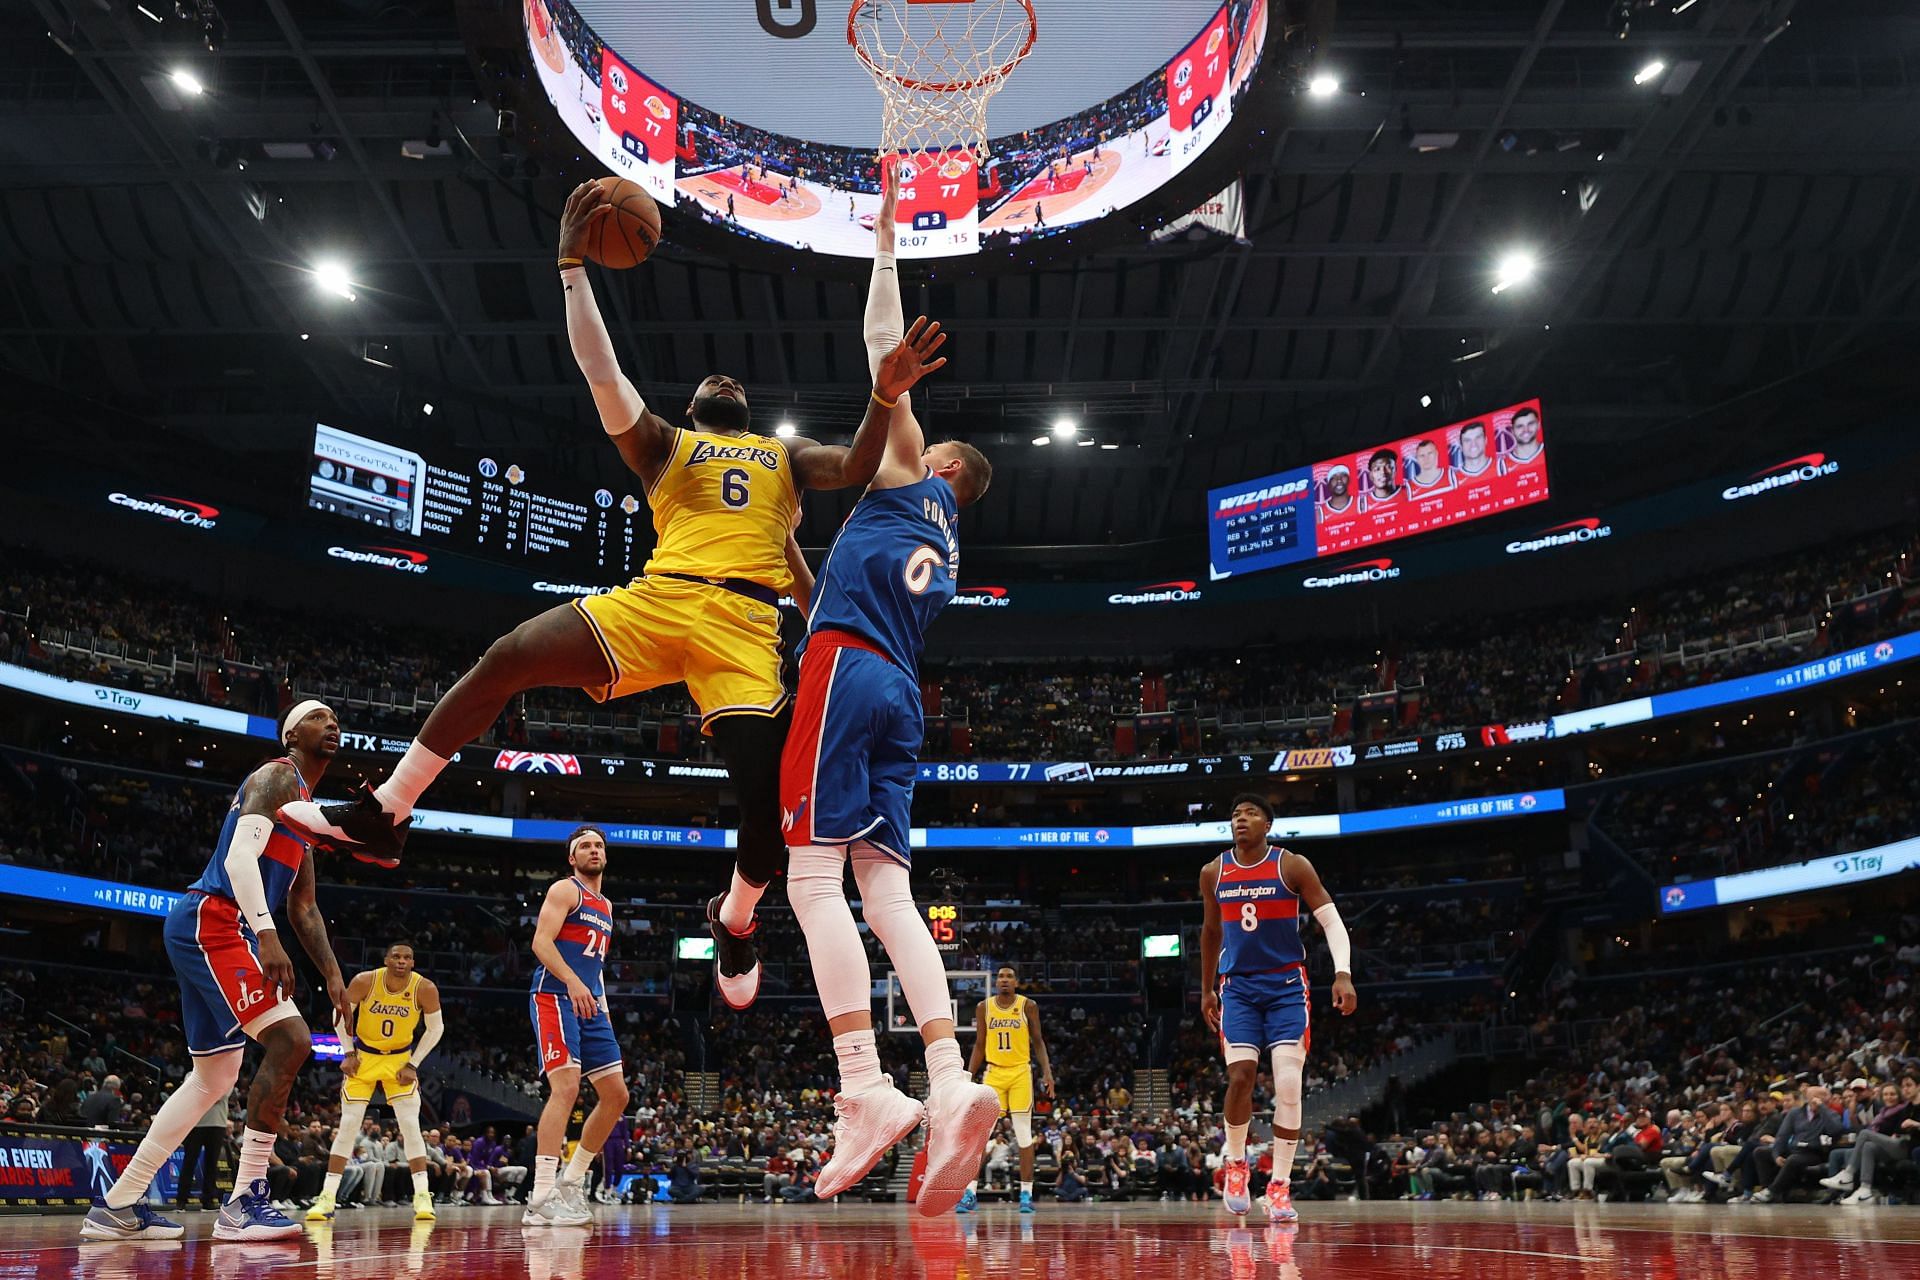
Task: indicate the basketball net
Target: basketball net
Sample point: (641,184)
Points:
(937,64)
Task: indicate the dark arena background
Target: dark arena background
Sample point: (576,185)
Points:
(1480,432)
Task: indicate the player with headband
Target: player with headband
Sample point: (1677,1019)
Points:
(1254,989)
(237,984)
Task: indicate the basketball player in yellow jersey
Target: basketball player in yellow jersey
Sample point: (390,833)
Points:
(1007,1039)
(389,1005)
(724,503)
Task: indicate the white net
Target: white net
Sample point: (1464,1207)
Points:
(937,64)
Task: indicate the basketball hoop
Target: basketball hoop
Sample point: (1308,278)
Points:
(937,63)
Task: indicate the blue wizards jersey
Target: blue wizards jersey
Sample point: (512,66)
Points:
(1259,916)
(279,861)
(584,938)
(892,568)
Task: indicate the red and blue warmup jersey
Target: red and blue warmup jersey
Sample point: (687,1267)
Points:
(584,938)
(892,568)
(1259,917)
(279,861)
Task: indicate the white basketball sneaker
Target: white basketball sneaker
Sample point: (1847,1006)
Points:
(960,1118)
(866,1127)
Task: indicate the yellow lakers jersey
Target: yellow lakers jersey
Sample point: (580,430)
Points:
(722,508)
(1006,1032)
(388,1019)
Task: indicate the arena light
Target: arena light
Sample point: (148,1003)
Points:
(332,276)
(1043,439)
(784,430)
(1516,267)
(149,14)
(1426,402)
(186,82)
(1063,428)
(1323,85)
(1652,71)
(427,409)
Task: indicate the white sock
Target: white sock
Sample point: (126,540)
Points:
(1026,1188)
(255,1147)
(414,774)
(944,1064)
(1237,1141)
(973,1188)
(1283,1149)
(170,1126)
(859,1061)
(544,1170)
(736,909)
(579,1163)
(332,1187)
(420,1186)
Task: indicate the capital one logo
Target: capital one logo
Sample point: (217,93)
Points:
(1562,535)
(1158,593)
(1808,466)
(184,511)
(398,559)
(1355,575)
(982,598)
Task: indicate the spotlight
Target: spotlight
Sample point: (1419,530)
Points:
(1652,71)
(145,12)
(1084,444)
(1426,402)
(427,409)
(1043,439)
(1063,428)
(1323,85)
(784,430)
(332,276)
(186,82)
(1109,446)
(1515,268)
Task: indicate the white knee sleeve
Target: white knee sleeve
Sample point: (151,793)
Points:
(886,899)
(351,1114)
(407,1111)
(816,880)
(1023,1129)
(1289,1074)
(214,1075)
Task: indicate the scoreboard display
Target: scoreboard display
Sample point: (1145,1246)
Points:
(944,923)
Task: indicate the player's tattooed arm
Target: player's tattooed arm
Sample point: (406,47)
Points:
(642,437)
(1210,943)
(268,788)
(303,913)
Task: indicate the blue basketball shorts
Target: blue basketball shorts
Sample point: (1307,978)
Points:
(848,769)
(1261,1010)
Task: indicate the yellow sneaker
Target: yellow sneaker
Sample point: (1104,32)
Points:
(322,1209)
(423,1206)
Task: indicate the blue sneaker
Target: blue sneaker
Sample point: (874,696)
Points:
(968,1202)
(135,1222)
(1026,1202)
(253,1217)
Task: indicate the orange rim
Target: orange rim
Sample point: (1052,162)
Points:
(943,86)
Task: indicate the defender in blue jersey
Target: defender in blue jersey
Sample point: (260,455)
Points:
(1254,988)
(236,984)
(846,778)
(573,1032)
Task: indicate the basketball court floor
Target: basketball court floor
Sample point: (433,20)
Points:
(1097,1242)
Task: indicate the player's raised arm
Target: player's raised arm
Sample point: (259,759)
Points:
(1210,943)
(642,437)
(562,896)
(829,466)
(1299,873)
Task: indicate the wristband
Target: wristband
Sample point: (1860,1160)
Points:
(885,404)
(571,262)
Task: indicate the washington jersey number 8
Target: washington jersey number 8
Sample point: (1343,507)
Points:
(1249,917)
(920,567)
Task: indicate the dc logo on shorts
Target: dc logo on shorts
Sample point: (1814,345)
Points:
(249,997)
(553,1052)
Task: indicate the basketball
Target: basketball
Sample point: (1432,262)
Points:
(626,228)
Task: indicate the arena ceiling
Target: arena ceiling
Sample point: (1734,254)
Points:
(1745,218)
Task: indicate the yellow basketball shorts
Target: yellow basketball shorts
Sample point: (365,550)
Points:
(725,647)
(377,1071)
(1014,1085)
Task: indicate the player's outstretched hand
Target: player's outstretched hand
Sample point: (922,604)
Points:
(585,200)
(884,225)
(1345,999)
(911,361)
(1210,1010)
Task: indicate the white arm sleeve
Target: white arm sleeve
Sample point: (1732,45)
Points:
(343,1029)
(619,404)
(1336,930)
(886,321)
(250,836)
(428,1038)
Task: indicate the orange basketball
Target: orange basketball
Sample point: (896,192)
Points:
(625,229)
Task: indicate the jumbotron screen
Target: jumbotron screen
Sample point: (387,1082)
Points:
(760,119)
(1464,471)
